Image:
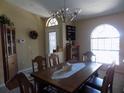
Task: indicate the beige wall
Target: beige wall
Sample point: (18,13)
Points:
(85,27)
(24,22)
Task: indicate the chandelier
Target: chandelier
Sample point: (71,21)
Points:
(66,15)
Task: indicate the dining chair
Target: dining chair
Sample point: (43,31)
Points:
(88,89)
(97,82)
(104,88)
(21,81)
(42,65)
(53,60)
(87,56)
(39,63)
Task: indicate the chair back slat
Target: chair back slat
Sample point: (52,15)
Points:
(22,82)
(53,60)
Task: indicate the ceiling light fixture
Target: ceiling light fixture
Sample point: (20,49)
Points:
(65,14)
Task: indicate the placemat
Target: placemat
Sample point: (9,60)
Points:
(60,74)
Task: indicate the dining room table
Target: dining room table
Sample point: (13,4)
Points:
(66,80)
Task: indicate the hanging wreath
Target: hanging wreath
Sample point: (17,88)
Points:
(33,34)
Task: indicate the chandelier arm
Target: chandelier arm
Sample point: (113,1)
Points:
(66,14)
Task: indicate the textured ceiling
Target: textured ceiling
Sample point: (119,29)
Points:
(90,8)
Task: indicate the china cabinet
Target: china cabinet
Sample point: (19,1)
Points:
(8,45)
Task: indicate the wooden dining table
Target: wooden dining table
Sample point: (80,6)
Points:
(70,84)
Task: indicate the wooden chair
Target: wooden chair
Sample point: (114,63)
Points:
(97,82)
(104,87)
(41,63)
(87,56)
(20,80)
(53,60)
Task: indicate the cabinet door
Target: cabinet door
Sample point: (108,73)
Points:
(13,42)
(11,52)
(9,41)
(11,47)
(8,51)
(12,65)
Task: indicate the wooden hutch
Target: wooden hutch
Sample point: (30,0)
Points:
(8,47)
(72,52)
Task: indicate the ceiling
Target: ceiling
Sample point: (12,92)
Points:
(89,8)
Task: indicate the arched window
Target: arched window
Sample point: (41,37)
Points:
(105,44)
(52,34)
(51,22)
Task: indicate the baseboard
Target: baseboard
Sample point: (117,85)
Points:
(2,85)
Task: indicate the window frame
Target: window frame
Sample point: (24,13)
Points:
(51,22)
(105,38)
